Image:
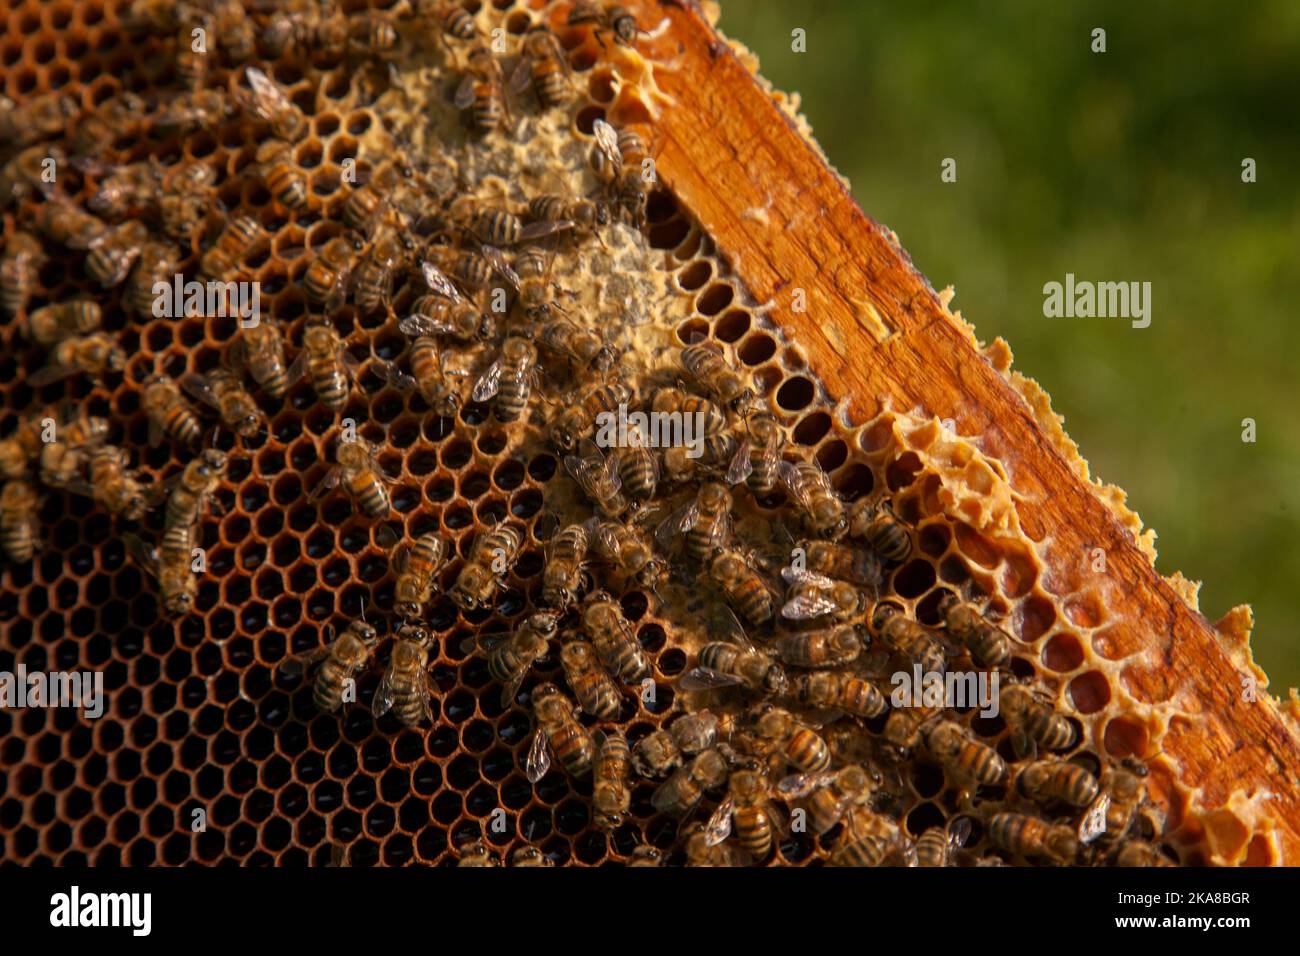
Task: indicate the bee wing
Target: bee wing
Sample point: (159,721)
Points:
(396,377)
(793,576)
(538,761)
(681,520)
(142,554)
(789,478)
(297,665)
(1093,824)
(439,282)
(511,688)
(416,325)
(487,383)
(197,387)
(498,262)
(384,695)
(521,75)
(607,142)
(801,784)
(706,678)
(51,373)
(740,467)
(327,484)
(539,230)
(296,370)
(719,826)
(268,98)
(422,692)
(958,833)
(465,92)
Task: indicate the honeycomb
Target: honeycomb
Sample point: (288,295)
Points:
(203,715)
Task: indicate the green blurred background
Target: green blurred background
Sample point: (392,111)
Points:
(1122,166)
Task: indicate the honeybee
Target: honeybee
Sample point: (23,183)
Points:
(19,271)
(907,638)
(445,311)
(373,279)
(660,752)
(837,690)
(610,796)
(482,90)
(84,431)
(612,636)
(646,855)
(103,127)
(743,587)
(222,389)
(169,413)
(510,377)
(63,221)
(452,19)
(810,489)
(510,656)
(966,759)
(842,562)
(705,520)
(936,846)
(748,804)
(584,350)
(499,227)
(358,471)
(22,445)
(315,33)
(563,575)
(188,112)
(544,64)
(60,465)
(989,645)
(735,662)
(876,524)
(191,60)
(619,160)
(798,744)
(758,455)
(186,197)
(530,856)
(404,688)
(29,174)
(1111,814)
(558,733)
(827,647)
(670,400)
(1032,721)
(417,566)
(326,363)
(260,350)
(431,377)
(577,419)
(283,179)
(598,477)
(811,595)
(344,657)
(473,268)
(869,840)
(701,852)
(706,366)
(1057,780)
(111,257)
(612,17)
(596,691)
(586,214)
(238,238)
(631,552)
(477,855)
(157,262)
(18,520)
(39,118)
(369,202)
(51,324)
(113,484)
(493,556)
(533,282)
(1140,853)
(372,33)
(267,101)
(638,466)
(236,30)
(92,354)
(835,793)
(679,794)
(130,190)
(1029,836)
(678,464)
(326,277)
(170,565)
(191,490)
(904,726)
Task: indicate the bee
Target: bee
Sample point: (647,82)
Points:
(39,118)
(810,488)
(170,564)
(110,258)
(612,17)
(307,35)
(1029,836)
(706,366)
(238,238)
(51,324)
(510,656)
(842,562)
(237,31)
(669,401)
(60,465)
(705,521)
(610,795)
(378,268)
(404,688)
(493,556)
(598,477)
(477,855)
(222,390)
(1031,721)
(1113,811)
(827,647)
(735,662)
(344,657)
(1057,780)
(989,645)
(19,271)
(169,413)
(875,524)
(275,167)
(113,484)
(102,128)
(157,262)
(373,34)
(813,595)
(869,840)
(529,856)
(742,586)
(701,852)
(91,354)
(482,91)
(499,227)
(904,726)
(758,456)
(660,752)
(1140,853)
(63,221)
(800,746)
(267,101)
(329,367)
(620,161)
(596,691)
(18,520)
(907,638)
(186,197)
(679,794)
(646,855)
(613,638)
(191,490)
(638,466)
(260,350)
(358,471)
(558,733)
(452,19)
(431,377)
(130,190)
(417,567)
(191,62)
(936,846)
(714,452)
(544,64)
(835,793)
(187,112)
(577,419)
(445,311)
(369,203)
(22,446)
(29,174)
(327,274)
(83,432)
(966,759)
(586,214)
(473,268)
(533,282)
(631,553)
(584,350)
(510,377)
(563,575)
(747,804)
(837,690)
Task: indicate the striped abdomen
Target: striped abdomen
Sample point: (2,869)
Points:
(329,380)
(369,493)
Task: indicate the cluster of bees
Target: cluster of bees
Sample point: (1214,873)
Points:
(784,714)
